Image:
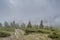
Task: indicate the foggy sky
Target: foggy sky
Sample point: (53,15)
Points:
(30,10)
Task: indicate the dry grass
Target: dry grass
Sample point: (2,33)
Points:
(36,36)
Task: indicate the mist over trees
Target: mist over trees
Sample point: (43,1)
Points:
(6,24)
(23,25)
(13,24)
(29,25)
(0,24)
(41,24)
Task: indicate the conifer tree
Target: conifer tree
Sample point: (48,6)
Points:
(41,24)
(29,25)
(0,24)
(6,24)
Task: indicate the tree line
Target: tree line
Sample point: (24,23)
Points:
(23,25)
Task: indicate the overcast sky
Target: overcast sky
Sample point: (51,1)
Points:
(33,10)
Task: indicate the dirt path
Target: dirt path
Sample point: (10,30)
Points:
(18,35)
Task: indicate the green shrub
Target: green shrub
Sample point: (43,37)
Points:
(4,34)
(54,35)
(28,31)
(44,31)
(52,29)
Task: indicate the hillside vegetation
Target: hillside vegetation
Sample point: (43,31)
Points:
(29,31)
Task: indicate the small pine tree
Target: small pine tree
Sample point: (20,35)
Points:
(41,24)
(23,25)
(6,24)
(29,25)
(0,24)
(12,24)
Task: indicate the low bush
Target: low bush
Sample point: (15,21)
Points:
(4,34)
(54,35)
(28,31)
